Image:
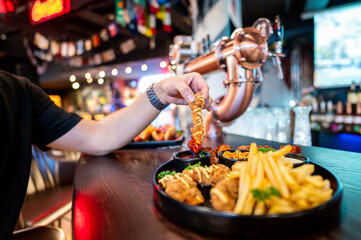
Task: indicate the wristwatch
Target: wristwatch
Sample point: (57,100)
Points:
(154,100)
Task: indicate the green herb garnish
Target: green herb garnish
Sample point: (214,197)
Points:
(266,149)
(202,154)
(162,174)
(190,167)
(179,132)
(262,195)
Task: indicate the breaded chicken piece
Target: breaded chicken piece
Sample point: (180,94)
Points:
(197,117)
(163,181)
(208,176)
(180,190)
(213,157)
(224,195)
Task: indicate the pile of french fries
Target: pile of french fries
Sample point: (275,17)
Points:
(298,189)
(162,133)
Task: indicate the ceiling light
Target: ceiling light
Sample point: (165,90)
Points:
(101,74)
(88,75)
(163,64)
(3,37)
(89,80)
(72,78)
(114,72)
(100,81)
(128,69)
(144,67)
(76,85)
(172,62)
(111,17)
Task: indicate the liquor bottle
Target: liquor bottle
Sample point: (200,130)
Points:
(352,97)
(322,116)
(357,119)
(329,116)
(348,118)
(359,94)
(337,126)
(314,117)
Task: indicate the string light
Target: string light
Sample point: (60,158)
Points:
(89,80)
(72,78)
(88,75)
(128,70)
(100,81)
(101,74)
(114,72)
(144,67)
(76,85)
(292,103)
(163,64)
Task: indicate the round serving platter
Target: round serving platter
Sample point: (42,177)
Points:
(272,225)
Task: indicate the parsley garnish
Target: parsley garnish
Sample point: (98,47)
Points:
(162,174)
(202,154)
(190,167)
(266,149)
(262,195)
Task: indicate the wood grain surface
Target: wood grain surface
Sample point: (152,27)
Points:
(113,194)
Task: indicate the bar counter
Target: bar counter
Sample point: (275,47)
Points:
(113,194)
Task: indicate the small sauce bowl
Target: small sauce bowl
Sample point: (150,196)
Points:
(230,161)
(185,158)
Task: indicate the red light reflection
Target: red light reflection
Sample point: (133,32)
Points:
(86,222)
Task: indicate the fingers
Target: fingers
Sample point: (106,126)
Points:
(208,104)
(185,91)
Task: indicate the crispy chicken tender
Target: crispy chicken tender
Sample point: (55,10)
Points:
(166,179)
(224,195)
(182,188)
(295,149)
(197,118)
(208,176)
(221,148)
(213,157)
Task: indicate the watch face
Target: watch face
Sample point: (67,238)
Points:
(264,26)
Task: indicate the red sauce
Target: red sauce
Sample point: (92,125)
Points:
(194,145)
(188,155)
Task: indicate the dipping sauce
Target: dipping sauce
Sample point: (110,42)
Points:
(188,155)
(294,160)
(235,155)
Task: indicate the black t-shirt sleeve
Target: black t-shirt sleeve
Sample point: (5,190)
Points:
(49,121)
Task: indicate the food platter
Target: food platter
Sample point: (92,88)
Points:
(271,225)
(156,144)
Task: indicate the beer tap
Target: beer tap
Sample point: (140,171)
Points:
(241,57)
(277,54)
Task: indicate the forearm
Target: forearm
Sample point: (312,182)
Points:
(119,128)
(112,132)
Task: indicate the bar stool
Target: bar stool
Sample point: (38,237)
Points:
(39,233)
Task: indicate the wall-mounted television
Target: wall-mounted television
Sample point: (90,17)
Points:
(338,47)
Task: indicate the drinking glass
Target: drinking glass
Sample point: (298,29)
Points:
(302,129)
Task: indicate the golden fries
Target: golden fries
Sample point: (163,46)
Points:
(268,184)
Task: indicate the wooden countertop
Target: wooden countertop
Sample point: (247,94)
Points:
(113,194)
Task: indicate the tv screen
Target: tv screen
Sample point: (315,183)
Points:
(338,47)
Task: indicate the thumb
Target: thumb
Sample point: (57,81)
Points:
(186,92)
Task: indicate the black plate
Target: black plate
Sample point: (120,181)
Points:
(272,225)
(155,144)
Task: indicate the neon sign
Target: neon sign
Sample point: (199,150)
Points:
(6,6)
(41,11)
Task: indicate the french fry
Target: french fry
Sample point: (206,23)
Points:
(278,176)
(304,171)
(259,175)
(290,181)
(317,181)
(260,208)
(281,152)
(269,172)
(248,207)
(244,188)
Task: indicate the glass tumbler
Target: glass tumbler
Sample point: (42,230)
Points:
(302,129)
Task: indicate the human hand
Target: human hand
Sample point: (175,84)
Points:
(181,89)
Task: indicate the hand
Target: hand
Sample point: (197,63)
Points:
(181,89)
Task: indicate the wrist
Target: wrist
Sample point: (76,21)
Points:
(154,92)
